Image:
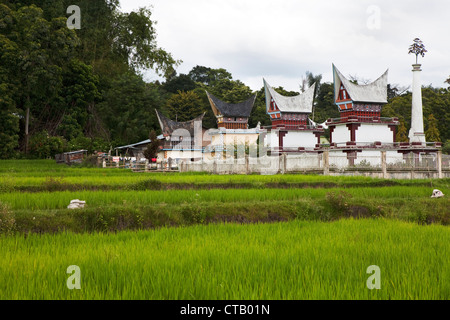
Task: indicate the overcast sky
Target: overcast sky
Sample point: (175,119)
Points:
(280,40)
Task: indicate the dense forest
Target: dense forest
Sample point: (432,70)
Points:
(65,89)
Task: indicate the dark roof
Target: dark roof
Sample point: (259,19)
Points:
(168,126)
(241,109)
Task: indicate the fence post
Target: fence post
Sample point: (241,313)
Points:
(439,164)
(326,162)
(146,165)
(282,162)
(214,167)
(247,169)
(383,164)
(181,166)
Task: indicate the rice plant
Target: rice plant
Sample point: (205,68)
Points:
(292,260)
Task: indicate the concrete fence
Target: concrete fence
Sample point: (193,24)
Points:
(377,163)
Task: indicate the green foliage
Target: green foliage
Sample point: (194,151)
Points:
(432,132)
(446,147)
(177,83)
(324,107)
(9,129)
(90,144)
(128,109)
(135,40)
(296,260)
(208,76)
(43,146)
(7,220)
(184,106)
(402,133)
(55,77)
(435,101)
(84,85)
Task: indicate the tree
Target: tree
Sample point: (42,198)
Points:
(128,109)
(184,106)
(435,101)
(432,133)
(153,147)
(134,39)
(9,118)
(325,107)
(208,76)
(42,47)
(402,133)
(80,93)
(180,82)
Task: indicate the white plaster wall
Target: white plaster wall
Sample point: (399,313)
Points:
(374,132)
(232,138)
(295,139)
(304,161)
(341,134)
(179,154)
(338,159)
(271,140)
(394,158)
(369,158)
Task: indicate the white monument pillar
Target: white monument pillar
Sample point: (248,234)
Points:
(416,133)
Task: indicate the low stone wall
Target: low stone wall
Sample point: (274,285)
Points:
(319,163)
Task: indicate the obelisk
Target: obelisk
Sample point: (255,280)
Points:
(416,133)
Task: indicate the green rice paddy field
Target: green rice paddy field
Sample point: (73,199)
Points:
(201,236)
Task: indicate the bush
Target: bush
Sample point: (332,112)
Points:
(84,143)
(44,146)
(446,147)
(7,220)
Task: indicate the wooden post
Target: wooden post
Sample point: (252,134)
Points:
(146,165)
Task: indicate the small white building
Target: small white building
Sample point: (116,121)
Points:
(232,125)
(290,130)
(360,131)
(182,140)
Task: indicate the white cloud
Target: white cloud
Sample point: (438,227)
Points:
(283,39)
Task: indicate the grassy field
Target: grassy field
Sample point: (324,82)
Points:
(288,260)
(202,236)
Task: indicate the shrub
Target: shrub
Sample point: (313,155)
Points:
(44,146)
(7,220)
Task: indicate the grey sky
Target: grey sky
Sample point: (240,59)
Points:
(282,39)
